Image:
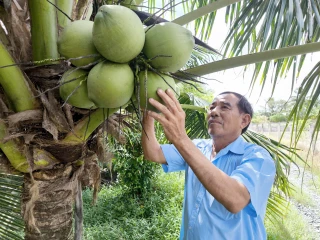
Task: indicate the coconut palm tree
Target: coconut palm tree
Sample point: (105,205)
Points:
(54,146)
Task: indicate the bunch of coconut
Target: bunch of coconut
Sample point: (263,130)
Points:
(108,44)
(103,52)
(168,47)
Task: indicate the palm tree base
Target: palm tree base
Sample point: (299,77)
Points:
(47,203)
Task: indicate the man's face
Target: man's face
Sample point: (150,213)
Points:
(224,117)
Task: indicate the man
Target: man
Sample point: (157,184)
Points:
(227,180)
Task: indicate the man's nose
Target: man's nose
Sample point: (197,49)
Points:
(213,112)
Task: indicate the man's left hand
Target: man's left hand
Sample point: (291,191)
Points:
(172,116)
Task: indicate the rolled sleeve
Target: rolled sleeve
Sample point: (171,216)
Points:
(256,172)
(174,160)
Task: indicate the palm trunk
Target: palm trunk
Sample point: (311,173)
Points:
(49,196)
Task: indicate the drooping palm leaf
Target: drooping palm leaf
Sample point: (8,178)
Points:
(276,206)
(11,223)
(302,112)
(265,25)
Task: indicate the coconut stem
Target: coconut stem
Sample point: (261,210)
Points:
(44,30)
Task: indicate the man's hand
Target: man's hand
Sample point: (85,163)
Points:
(172,117)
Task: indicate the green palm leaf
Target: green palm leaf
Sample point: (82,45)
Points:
(196,125)
(303,109)
(11,223)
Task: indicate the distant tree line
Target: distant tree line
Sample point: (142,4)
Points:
(279,110)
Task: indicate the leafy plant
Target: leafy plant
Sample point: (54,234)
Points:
(134,172)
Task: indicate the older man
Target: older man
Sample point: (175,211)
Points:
(227,180)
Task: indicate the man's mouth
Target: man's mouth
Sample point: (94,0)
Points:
(214,122)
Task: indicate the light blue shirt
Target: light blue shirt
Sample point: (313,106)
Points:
(203,216)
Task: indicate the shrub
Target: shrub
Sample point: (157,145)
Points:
(279,117)
(134,172)
(156,214)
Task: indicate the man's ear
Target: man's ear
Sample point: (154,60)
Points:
(246,119)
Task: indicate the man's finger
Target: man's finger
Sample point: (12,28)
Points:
(158,117)
(172,95)
(167,99)
(161,108)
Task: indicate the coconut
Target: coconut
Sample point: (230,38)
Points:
(150,84)
(74,88)
(76,41)
(110,85)
(118,33)
(169,45)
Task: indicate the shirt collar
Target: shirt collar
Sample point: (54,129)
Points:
(237,147)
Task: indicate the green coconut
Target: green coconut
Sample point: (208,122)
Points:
(118,33)
(74,88)
(169,45)
(110,85)
(150,84)
(76,41)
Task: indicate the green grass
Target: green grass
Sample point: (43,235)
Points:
(301,197)
(291,227)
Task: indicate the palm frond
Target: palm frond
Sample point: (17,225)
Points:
(11,223)
(306,106)
(200,55)
(265,25)
(195,120)
(282,155)
(276,207)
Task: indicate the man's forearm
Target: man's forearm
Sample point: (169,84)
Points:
(151,147)
(229,192)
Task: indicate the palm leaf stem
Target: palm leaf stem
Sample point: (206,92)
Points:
(189,17)
(14,84)
(66,7)
(87,125)
(12,150)
(253,58)
(44,31)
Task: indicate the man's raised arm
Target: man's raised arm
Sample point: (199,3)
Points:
(150,145)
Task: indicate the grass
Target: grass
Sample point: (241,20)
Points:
(300,197)
(291,227)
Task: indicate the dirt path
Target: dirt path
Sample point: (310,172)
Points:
(310,213)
